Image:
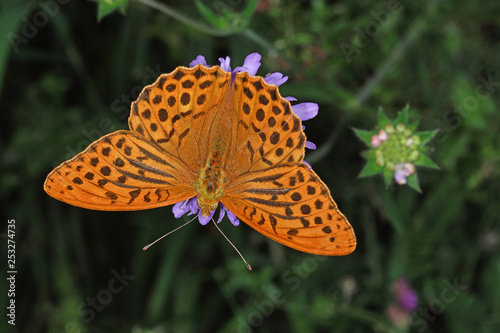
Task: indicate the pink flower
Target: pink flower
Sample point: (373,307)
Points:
(403,170)
(375,141)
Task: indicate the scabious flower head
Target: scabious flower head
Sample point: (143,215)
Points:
(396,149)
(251,65)
(407,301)
(406,296)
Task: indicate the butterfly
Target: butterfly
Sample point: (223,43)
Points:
(221,137)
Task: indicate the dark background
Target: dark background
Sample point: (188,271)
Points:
(73,79)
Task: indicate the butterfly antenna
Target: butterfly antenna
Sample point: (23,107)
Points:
(168,233)
(234,247)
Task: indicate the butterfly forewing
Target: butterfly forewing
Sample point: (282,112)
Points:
(120,171)
(268,133)
(291,205)
(177,109)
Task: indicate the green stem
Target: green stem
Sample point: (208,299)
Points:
(185,19)
(260,41)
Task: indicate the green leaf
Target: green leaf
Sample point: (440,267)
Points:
(249,10)
(218,21)
(10,18)
(369,154)
(383,120)
(365,136)
(370,169)
(402,117)
(106,7)
(413,126)
(413,182)
(426,136)
(425,161)
(388,176)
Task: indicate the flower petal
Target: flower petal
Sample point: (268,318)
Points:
(305,111)
(252,63)
(308,165)
(199,60)
(290,98)
(222,212)
(382,135)
(189,206)
(205,219)
(310,145)
(193,206)
(179,209)
(225,64)
(375,141)
(399,174)
(276,78)
(407,297)
(234,220)
(409,169)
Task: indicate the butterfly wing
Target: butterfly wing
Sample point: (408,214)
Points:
(273,191)
(155,163)
(176,111)
(291,205)
(120,171)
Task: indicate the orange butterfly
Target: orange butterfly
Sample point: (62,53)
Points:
(201,136)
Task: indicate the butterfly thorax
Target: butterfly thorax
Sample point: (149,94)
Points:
(210,184)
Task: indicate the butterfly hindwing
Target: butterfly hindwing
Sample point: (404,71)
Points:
(291,205)
(120,171)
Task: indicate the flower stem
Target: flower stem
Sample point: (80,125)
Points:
(185,19)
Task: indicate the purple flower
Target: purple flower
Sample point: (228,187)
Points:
(304,111)
(406,296)
(225,64)
(403,170)
(200,60)
(223,210)
(277,79)
(310,145)
(251,65)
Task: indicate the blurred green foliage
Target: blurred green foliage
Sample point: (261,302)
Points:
(67,78)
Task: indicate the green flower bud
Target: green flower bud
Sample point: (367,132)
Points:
(415,155)
(400,127)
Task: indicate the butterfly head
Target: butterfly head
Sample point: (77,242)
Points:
(206,206)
